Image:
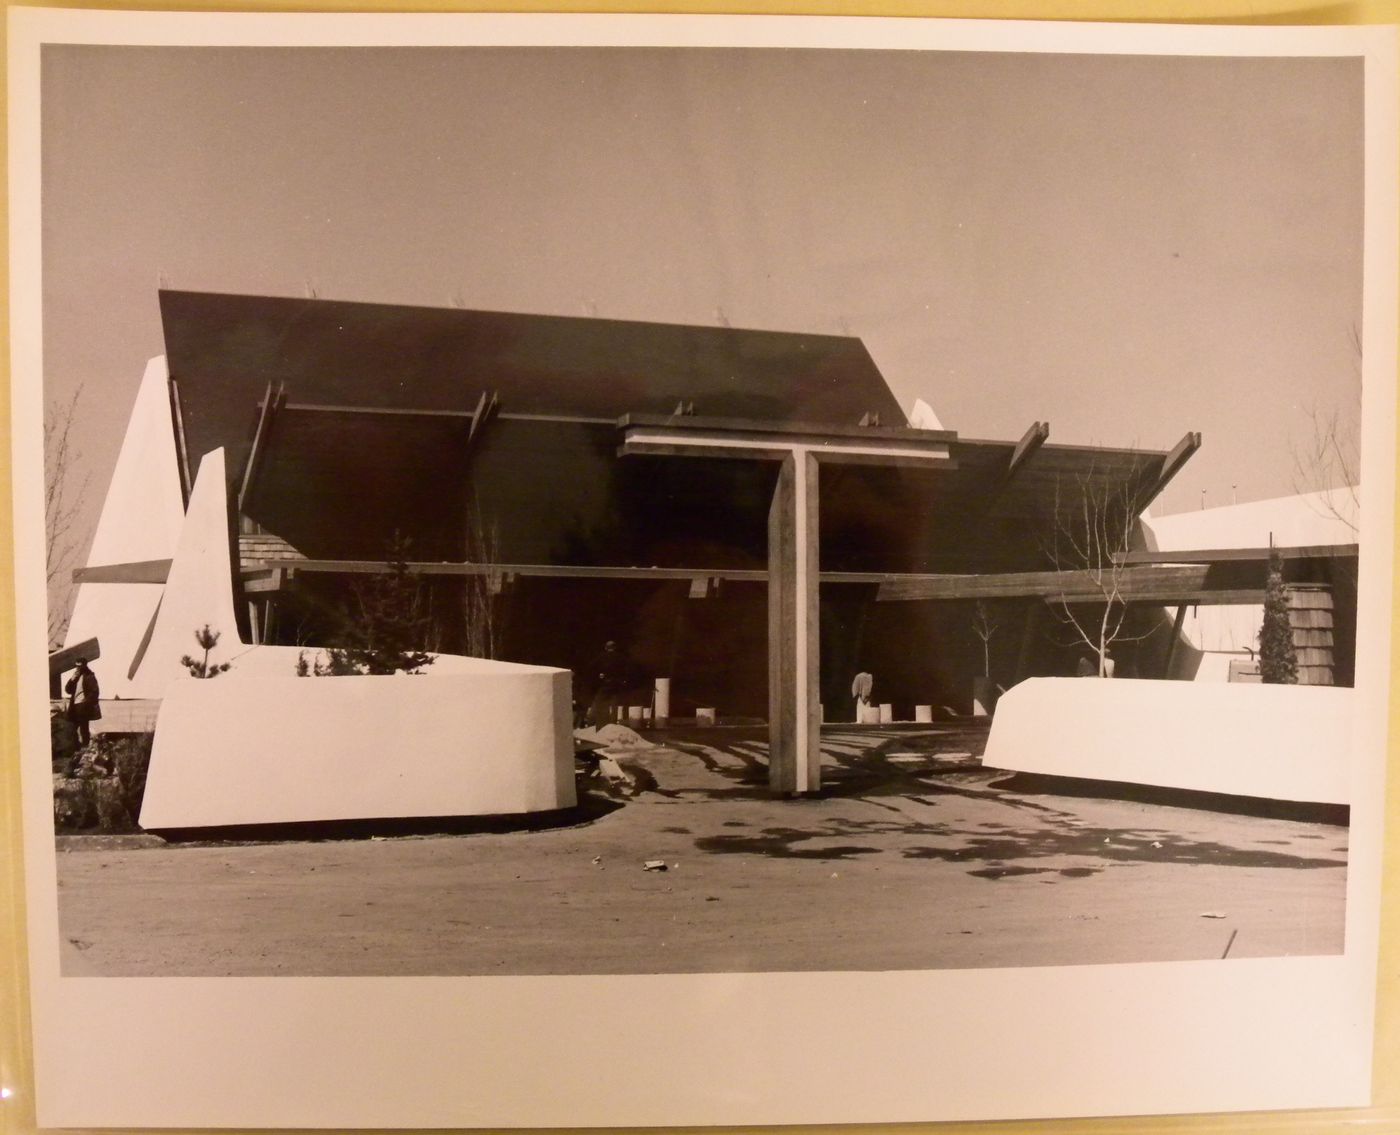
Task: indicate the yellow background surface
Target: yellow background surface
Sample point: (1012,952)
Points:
(17,1111)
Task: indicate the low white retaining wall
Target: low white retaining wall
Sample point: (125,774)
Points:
(1274,742)
(255,750)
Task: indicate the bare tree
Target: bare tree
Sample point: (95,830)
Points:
(1327,462)
(483,598)
(64,490)
(985,627)
(1089,535)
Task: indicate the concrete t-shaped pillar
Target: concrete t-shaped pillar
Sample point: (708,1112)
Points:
(794,542)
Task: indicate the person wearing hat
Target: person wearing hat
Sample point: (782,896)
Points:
(83,705)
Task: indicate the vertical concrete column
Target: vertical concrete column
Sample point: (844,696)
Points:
(794,697)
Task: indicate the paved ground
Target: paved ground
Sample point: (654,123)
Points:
(914,860)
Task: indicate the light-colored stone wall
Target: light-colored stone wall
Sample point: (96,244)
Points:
(267,750)
(1275,742)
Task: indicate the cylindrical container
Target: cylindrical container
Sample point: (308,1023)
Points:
(662,701)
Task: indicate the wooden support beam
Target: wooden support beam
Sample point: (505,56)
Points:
(182,452)
(1167,585)
(1030,442)
(1029,629)
(1240,555)
(487,406)
(794,636)
(1177,624)
(1169,468)
(67,658)
(272,401)
(143,571)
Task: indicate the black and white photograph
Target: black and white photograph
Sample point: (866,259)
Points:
(724,517)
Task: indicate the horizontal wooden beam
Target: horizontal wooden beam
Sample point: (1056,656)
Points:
(142,571)
(1241,555)
(690,423)
(254,568)
(67,658)
(1194,584)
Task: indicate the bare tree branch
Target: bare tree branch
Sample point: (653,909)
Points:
(64,490)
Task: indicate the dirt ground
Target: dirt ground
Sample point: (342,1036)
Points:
(912,860)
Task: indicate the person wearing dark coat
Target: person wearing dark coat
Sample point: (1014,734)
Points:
(83,704)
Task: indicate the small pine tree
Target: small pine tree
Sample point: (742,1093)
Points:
(200,667)
(385,634)
(1278,661)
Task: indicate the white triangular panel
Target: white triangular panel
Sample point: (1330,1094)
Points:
(922,417)
(140,520)
(199,589)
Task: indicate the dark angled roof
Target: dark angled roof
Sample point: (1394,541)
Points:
(224,349)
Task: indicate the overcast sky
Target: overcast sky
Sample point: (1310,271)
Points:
(1127,247)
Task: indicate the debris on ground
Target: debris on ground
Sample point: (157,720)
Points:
(654,865)
(597,859)
(614,736)
(1213,914)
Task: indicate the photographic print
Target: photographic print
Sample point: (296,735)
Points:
(823,528)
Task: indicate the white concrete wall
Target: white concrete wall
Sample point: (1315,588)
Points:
(198,590)
(141,519)
(493,740)
(1276,742)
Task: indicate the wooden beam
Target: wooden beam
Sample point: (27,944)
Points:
(794,689)
(143,571)
(251,566)
(273,399)
(182,452)
(373,411)
(1170,467)
(1241,555)
(799,433)
(1030,442)
(1155,584)
(486,407)
(1177,624)
(67,658)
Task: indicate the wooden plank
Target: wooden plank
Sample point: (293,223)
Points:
(1177,624)
(1165,584)
(374,411)
(1030,442)
(798,433)
(177,413)
(252,565)
(1169,468)
(142,571)
(782,631)
(67,658)
(1240,555)
(270,403)
(486,408)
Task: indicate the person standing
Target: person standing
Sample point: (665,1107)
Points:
(83,705)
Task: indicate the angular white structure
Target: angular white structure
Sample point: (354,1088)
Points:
(1272,742)
(1213,636)
(140,524)
(480,738)
(258,745)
